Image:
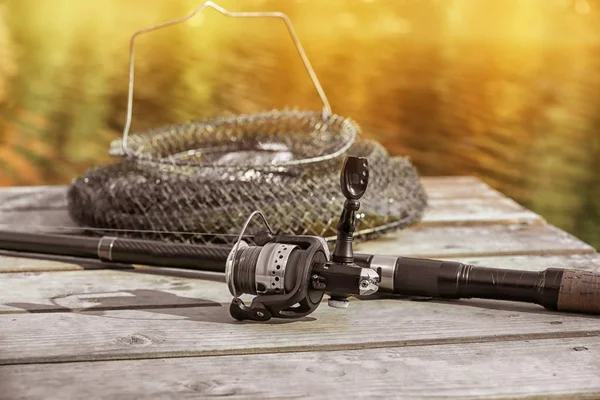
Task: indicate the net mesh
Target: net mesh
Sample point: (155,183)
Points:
(198,181)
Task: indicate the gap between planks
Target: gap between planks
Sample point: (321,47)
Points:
(202,331)
(99,357)
(480,370)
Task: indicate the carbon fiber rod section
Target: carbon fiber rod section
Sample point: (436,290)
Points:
(122,250)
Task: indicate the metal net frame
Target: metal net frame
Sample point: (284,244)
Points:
(198,181)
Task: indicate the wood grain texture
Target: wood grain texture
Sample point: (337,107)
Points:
(479,370)
(39,221)
(476,241)
(30,198)
(440,212)
(12,262)
(453,201)
(109,290)
(193,331)
(462,187)
(23,208)
(477,211)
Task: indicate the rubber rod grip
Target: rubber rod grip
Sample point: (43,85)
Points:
(579,292)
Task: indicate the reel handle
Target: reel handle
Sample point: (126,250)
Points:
(291,273)
(354,179)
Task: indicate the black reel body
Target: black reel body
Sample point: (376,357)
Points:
(279,273)
(289,274)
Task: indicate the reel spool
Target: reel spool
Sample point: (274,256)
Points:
(289,274)
(279,274)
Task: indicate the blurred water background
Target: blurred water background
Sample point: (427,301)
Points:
(506,90)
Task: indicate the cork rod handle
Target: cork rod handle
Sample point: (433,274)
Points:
(579,292)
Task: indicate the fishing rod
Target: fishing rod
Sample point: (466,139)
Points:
(289,274)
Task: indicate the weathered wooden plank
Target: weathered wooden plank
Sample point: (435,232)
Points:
(109,289)
(38,221)
(34,208)
(477,241)
(27,208)
(477,211)
(193,331)
(41,207)
(147,286)
(11,262)
(450,179)
(29,198)
(478,370)
(440,212)
(457,188)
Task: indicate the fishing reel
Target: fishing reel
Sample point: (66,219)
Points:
(290,274)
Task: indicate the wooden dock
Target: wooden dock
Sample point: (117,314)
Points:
(74,330)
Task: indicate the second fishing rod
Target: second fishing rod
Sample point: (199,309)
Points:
(290,274)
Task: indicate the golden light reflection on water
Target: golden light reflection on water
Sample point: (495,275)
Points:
(507,90)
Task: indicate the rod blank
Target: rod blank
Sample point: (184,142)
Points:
(554,288)
(122,250)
